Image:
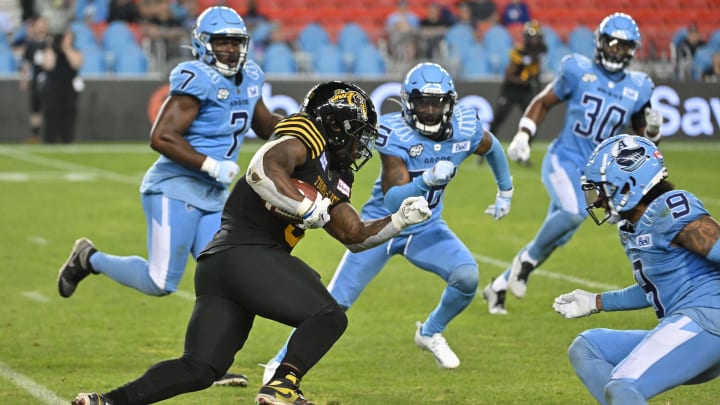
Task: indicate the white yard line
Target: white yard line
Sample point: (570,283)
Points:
(31,387)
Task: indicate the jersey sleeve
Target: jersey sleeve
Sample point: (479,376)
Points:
(302,128)
(683,208)
(568,76)
(187,79)
(392,130)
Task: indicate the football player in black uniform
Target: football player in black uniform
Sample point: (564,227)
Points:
(522,75)
(247,269)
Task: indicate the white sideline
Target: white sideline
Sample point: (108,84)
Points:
(31,387)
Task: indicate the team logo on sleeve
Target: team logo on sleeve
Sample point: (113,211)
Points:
(644,241)
(415,151)
(223,94)
(632,94)
(253,91)
(589,77)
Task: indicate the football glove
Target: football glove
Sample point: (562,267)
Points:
(501,206)
(413,210)
(224,171)
(317,215)
(519,149)
(576,304)
(440,174)
(653,121)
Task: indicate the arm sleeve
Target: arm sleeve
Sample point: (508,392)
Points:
(499,165)
(632,297)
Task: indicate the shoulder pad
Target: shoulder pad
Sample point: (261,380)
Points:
(302,128)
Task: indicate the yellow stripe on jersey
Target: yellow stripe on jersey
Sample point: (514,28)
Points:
(302,128)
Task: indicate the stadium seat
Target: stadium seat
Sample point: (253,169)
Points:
(312,37)
(279,59)
(328,60)
(8,64)
(714,40)
(475,63)
(131,61)
(84,36)
(368,61)
(115,38)
(497,43)
(552,39)
(351,38)
(701,61)
(93,62)
(553,59)
(582,40)
(459,38)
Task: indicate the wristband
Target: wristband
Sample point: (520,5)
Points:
(208,164)
(528,125)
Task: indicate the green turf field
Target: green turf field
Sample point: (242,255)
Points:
(105,335)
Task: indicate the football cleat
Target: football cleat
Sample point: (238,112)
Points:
(437,345)
(519,273)
(76,268)
(281,391)
(91,399)
(232,380)
(495,300)
(269,371)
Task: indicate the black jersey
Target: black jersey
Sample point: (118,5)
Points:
(246,221)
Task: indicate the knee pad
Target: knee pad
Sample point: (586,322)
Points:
(464,278)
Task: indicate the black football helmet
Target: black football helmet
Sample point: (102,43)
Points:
(346,116)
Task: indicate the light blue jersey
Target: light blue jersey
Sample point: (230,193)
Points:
(182,205)
(420,153)
(630,366)
(599,105)
(672,278)
(225,115)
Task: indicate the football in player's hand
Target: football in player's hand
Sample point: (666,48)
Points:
(306,189)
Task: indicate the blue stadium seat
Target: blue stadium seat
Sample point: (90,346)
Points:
(311,37)
(368,61)
(497,43)
(552,39)
(131,61)
(714,40)
(351,37)
(328,60)
(582,40)
(459,38)
(84,36)
(8,64)
(702,60)
(116,37)
(475,63)
(93,62)
(553,58)
(279,59)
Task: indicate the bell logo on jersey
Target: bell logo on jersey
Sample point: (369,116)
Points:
(461,147)
(223,94)
(416,150)
(643,241)
(632,94)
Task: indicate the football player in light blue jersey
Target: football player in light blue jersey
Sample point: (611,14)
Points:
(673,245)
(214,100)
(421,148)
(603,98)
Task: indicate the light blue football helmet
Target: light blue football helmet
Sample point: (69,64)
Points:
(428,98)
(616,39)
(217,22)
(620,171)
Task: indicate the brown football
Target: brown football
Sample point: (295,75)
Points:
(306,189)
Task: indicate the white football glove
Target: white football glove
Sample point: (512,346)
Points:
(413,210)
(653,122)
(440,174)
(576,304)
(317,215)
(224,171)
(519,149)
(502,204)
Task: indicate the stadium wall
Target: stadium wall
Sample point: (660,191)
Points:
(122,110)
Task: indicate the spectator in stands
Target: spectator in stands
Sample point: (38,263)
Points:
(185,12)
(253,16)
(515,12)
(712,74)
(433,28)
(402,28)
(32,76)
(686,51)
(60,90)
(58,14)
(27,10)
(483,11)
(124,10)
(164,30)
